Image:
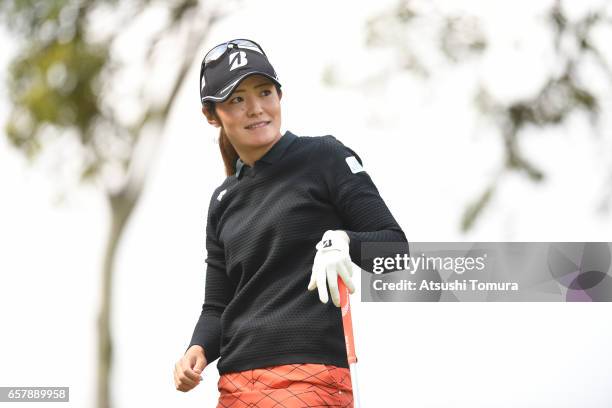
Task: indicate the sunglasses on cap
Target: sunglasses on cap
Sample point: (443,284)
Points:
(243,58)
(218,51)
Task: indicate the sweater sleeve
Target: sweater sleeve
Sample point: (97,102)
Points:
(364,213)
(218,292)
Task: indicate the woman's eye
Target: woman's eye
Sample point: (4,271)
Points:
(236,99)
(266,92)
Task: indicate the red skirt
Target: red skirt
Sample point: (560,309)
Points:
(287,386)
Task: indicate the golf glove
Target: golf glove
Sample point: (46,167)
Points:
(332,260)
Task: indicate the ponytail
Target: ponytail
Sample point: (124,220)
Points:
(228,153)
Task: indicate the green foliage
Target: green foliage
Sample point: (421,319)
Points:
(57,79)
(53,80)
(57,83)
(562,95)
(54,84)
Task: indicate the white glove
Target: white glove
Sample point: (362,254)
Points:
(332,259)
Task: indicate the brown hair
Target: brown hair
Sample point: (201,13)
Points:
(228,153)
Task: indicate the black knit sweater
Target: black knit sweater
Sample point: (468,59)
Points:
(262,228)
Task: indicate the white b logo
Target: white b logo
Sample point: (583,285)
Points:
(237,60)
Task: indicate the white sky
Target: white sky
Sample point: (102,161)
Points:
(429,156)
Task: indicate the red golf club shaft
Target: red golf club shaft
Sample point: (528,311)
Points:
(347,325)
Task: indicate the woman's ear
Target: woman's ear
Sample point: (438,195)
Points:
(280,93)
(210,117)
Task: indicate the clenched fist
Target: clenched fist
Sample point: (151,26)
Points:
(188,370)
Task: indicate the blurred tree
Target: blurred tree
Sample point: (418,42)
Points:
(409,23)
(566,91)
(69,82)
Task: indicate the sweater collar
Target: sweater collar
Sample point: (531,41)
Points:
(272,156)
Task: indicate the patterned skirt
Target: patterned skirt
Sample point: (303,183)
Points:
(287,386)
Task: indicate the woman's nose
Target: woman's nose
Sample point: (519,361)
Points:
(253,107)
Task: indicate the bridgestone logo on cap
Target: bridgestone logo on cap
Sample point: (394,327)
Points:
(237,60)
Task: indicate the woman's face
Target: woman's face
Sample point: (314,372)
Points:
(251,116)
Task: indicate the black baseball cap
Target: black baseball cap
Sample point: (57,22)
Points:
(227,64)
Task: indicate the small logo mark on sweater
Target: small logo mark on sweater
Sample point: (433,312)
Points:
(221,194)
(354,165)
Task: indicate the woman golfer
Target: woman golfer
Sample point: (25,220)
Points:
(290,216)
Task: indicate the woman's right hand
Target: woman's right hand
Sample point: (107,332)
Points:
(188,370)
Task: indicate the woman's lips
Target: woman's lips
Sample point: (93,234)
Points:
(257,125)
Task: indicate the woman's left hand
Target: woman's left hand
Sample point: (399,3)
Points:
(332,260)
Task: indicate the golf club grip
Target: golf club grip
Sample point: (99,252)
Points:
(347,323)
